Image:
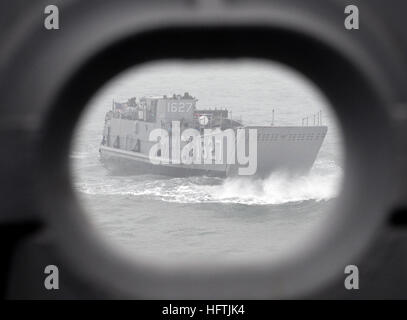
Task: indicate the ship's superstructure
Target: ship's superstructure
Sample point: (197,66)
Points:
(169,135)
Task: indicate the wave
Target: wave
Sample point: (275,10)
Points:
(78,155)
(279,188)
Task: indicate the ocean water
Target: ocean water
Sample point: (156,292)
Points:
(201,219)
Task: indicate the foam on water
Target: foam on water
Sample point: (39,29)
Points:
(279,188)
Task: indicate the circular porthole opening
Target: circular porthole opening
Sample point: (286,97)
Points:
(197,212)
(222,270)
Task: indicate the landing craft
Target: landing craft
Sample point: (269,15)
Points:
(221,147)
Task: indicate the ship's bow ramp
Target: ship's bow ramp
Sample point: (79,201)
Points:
(289,149)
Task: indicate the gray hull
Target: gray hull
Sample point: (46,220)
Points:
(120,163)
(292,149)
